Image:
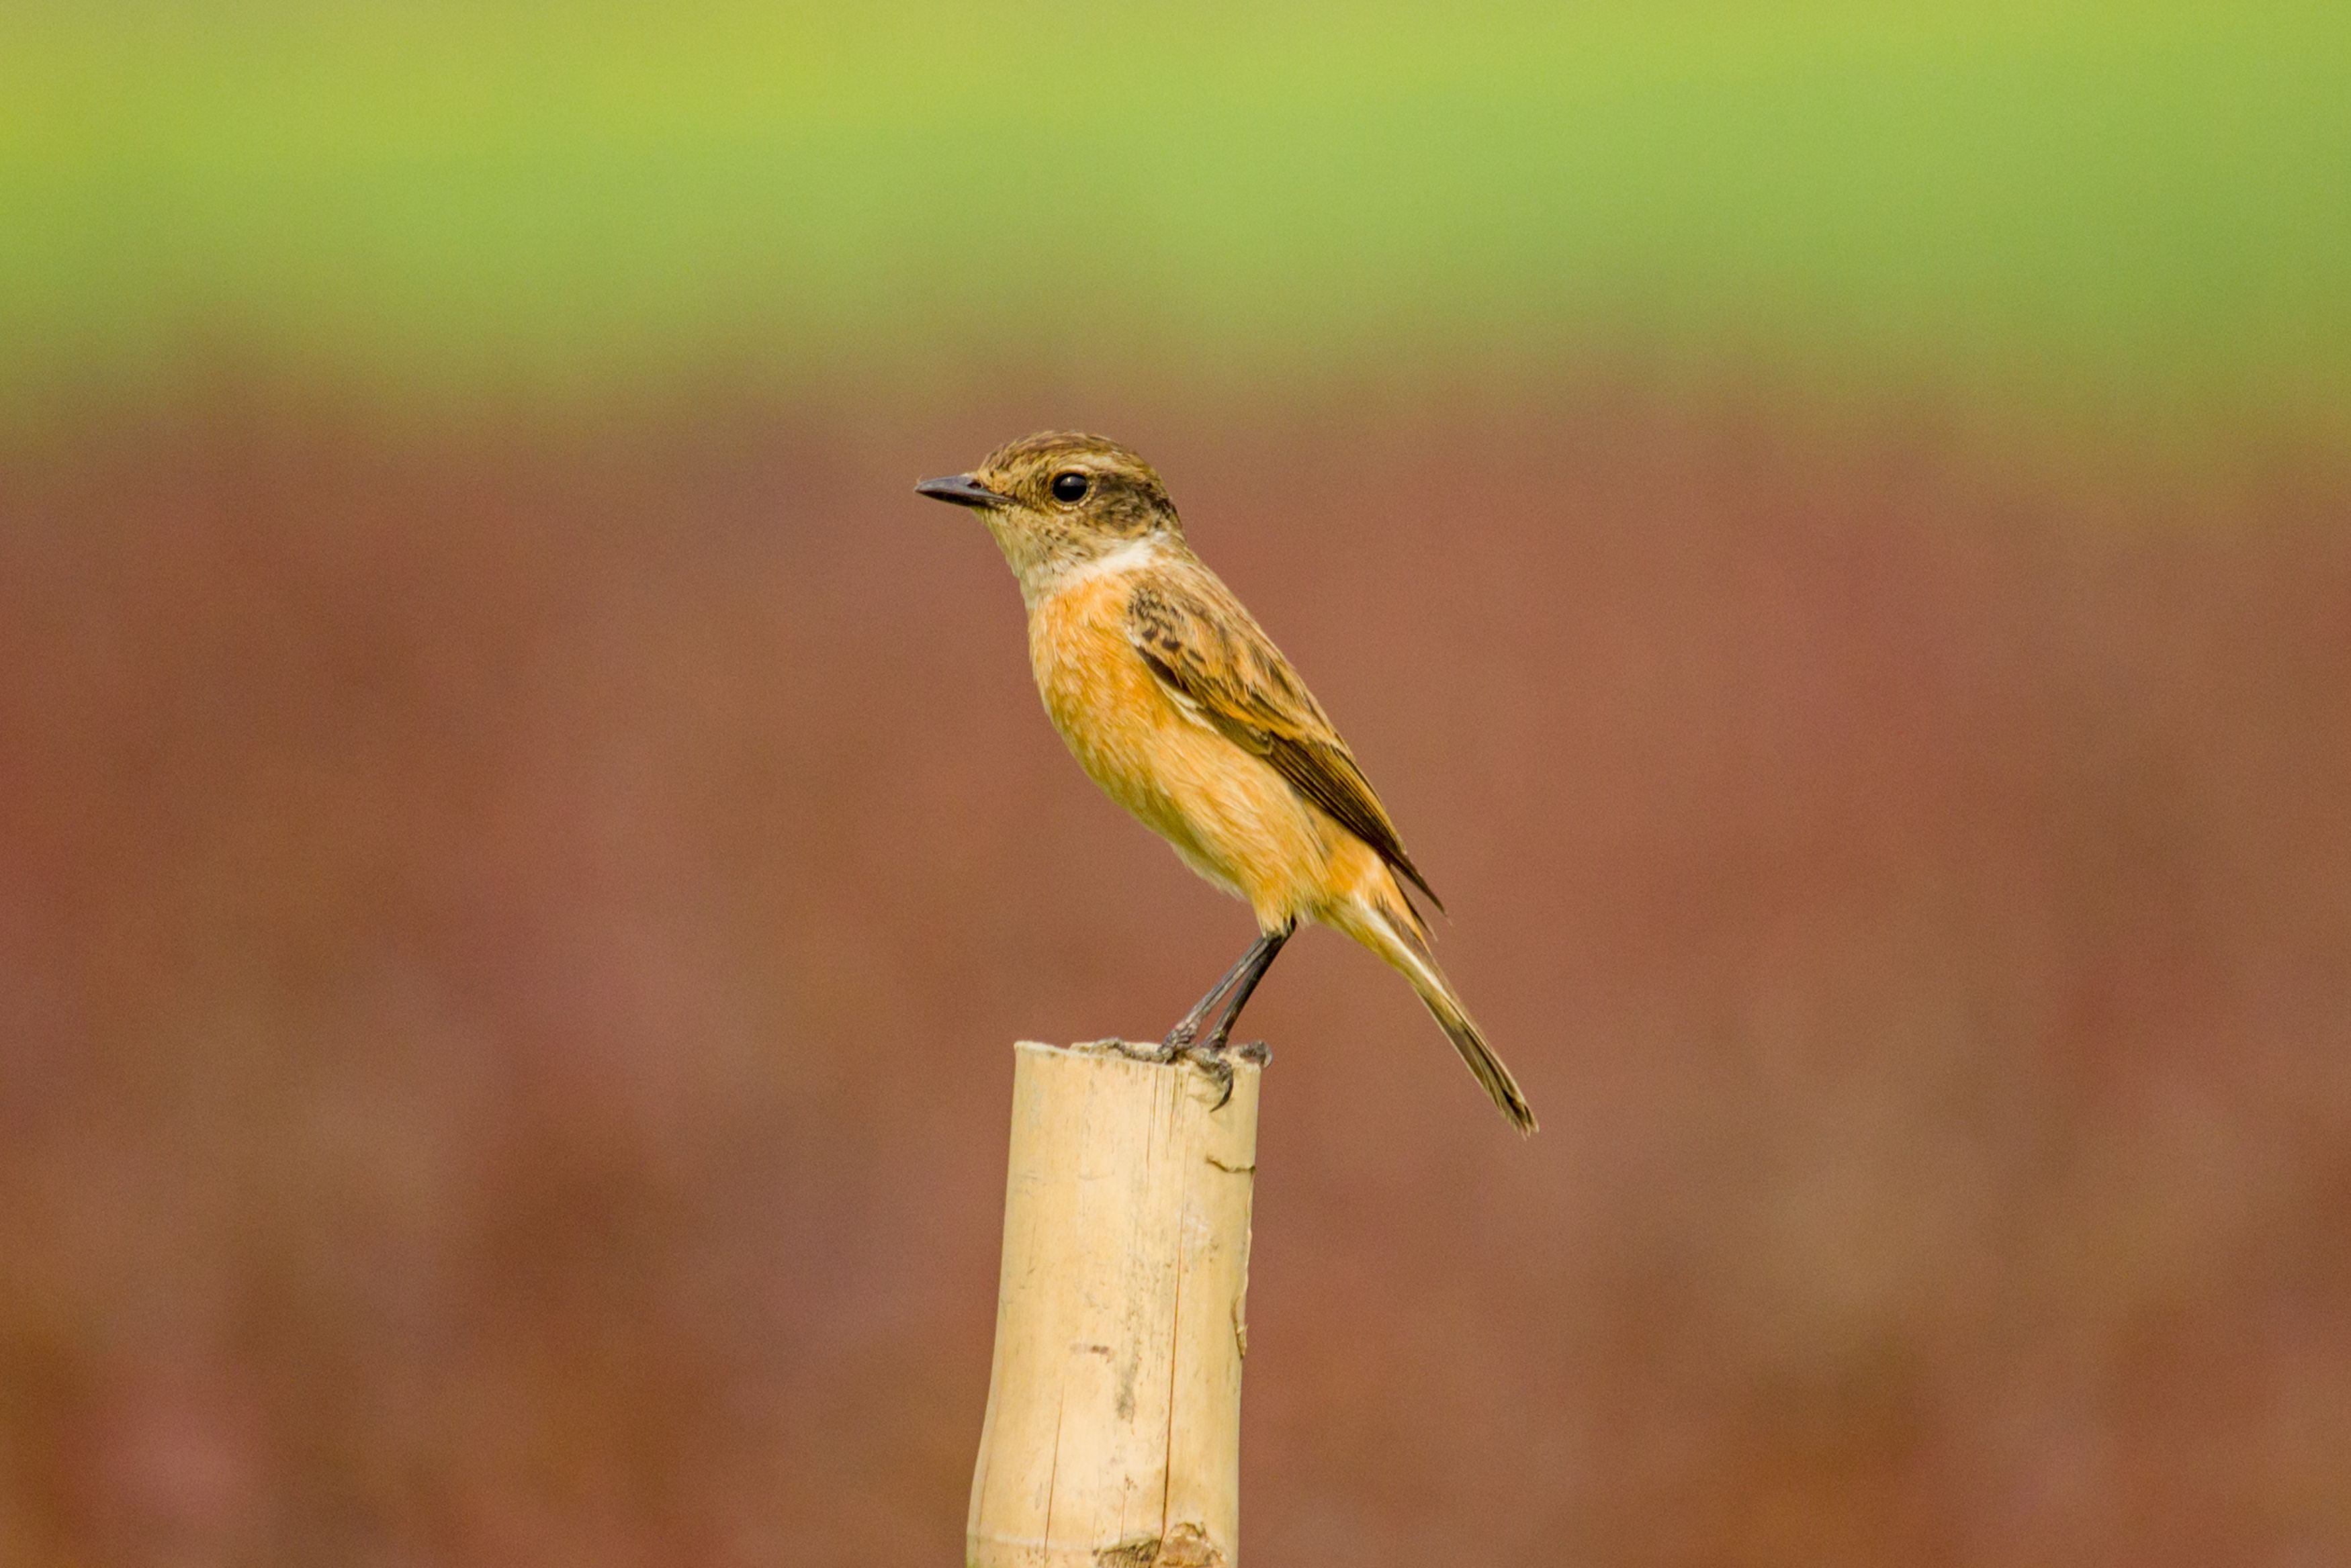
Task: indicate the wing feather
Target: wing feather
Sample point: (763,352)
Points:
(1215,660)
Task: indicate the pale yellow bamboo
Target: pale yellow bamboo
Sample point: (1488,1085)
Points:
(1113,1436)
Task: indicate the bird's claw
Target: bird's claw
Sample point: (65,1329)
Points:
(1216,1060)
(1219,1068)
(1182,1047)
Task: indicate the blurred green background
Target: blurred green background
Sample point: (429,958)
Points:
(522,844)
(2144,203)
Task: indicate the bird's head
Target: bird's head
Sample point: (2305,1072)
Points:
(1058,501)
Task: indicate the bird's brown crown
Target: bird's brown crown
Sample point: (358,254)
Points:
(1071,482)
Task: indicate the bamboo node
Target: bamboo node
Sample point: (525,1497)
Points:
(1186,1546)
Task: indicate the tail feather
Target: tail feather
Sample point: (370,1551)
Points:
(1397,939)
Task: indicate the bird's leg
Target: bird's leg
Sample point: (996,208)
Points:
(1187,1028)
(1210,1056)
(1260,960)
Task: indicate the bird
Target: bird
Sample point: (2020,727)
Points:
(1176,702)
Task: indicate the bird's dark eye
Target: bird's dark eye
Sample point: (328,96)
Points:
(1071,486)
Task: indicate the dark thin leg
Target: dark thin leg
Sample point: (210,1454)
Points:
(1187,1028)
(1258,959)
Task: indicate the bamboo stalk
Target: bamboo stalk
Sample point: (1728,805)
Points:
(1113,1435)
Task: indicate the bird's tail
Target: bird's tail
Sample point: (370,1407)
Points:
(1396,936)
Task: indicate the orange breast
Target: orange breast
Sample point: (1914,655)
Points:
(1230,817)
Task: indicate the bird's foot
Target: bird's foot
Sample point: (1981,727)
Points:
(1213,1061)
(1216,1058)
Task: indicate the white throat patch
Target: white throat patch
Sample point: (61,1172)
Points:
(1126,558)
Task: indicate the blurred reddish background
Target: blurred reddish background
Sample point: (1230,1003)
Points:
(510,934)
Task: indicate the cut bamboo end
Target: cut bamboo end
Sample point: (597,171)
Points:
(1112,1434)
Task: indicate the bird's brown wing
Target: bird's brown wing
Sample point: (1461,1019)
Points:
(1214,657)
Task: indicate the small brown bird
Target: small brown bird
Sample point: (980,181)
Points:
(1176,702)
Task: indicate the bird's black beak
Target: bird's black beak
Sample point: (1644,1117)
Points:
(961,490)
